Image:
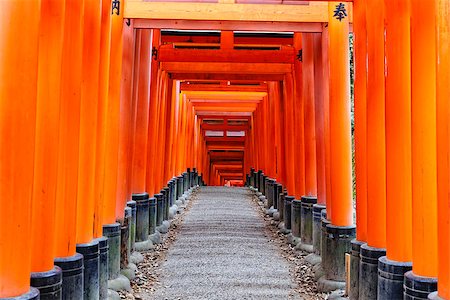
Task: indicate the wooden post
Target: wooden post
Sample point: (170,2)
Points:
(102,118)
(280,158)
(288,99)
(443,146)
(326,119)
(126,114)
(376,147)
(398,132)
(88,121)
(46,147)
(143,57)
(360,49)
(69,130)
(153,116)
(309,116)
(19,34)
(297,114)
(319,114)
(340,126)
(113,206)
(423,94)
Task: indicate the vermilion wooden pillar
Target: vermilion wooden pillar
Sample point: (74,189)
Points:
(142,63)
(46,147)
(288,99)
(360,49)
(88,121)
(424,164)
(153,115)
(376,152)
(398,132)
(280,159)
(340,126)
(298,119)
(178,141)
(443,146)
(102,119)
(309,116)
(69,130)
(166,90)
(360,142)
(126,114)
(171,128)
(113,206)
(339,233)
(69,149)
(320,78)
(326,122)
(19,32)
(85,198)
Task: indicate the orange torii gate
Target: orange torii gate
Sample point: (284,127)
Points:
(101,97)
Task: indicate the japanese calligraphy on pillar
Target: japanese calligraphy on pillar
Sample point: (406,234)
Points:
(115,7)
(340,12)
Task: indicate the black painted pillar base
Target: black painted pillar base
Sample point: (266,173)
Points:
(72,276)
(48,283)
(317,227)
(418,287)
(159,209)
(281,207)
(354,270)
(33,294)
(269,192)
(125,251)
(180,185)
(307,219)
(152,215)
(132,204)
(185,181)
(103,267)
(323,237)
(434,296)
(338,243)
(368,271)
(142,216)
(391,276)
(296,218)
(112,232)
(166,202)
(288,212)
(90,252)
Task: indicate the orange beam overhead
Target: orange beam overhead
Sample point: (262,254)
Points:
(223,139)
(224,127)
(313,12)
(229,109)
(169,38)
(229,25)
(209,114)
(211,146)
(168,54)
(244,116)
(218,67)
(225,95)
(223,88)
(255,77)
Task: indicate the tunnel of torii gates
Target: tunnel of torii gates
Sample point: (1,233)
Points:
(105,102)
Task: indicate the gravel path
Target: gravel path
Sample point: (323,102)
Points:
(222,252)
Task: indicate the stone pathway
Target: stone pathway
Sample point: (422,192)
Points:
(222,253)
